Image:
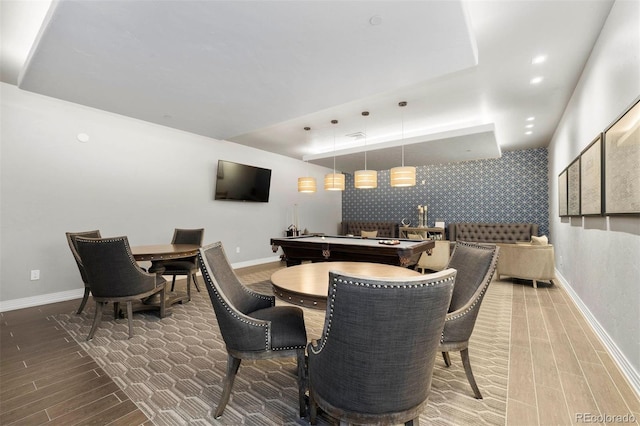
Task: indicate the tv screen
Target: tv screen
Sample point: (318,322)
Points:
(240,182)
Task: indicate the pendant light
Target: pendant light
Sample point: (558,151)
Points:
(403,176)
(307,184)
(365,179)
(334,181)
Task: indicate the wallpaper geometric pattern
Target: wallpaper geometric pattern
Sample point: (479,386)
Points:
(509,189)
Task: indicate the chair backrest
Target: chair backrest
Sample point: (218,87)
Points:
(188,236)
(71,239)
(380,337)
(475,264)
(111,269)
(232,300)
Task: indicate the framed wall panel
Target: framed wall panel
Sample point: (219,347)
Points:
(622,163)
(573,188)
(562,194)
(591,178)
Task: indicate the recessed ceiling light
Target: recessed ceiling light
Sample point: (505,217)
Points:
(375,20)
(531,118)
(528,132)
(536,80)
(529,126)
(539,59)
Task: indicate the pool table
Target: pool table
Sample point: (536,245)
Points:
(354,249)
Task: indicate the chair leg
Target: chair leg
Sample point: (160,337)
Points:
(195,282)
(84,300)
(173,282)
(313,410)
(302,379)
(467,369)
(96,319)
(233,364)
(535,284)
(447,359)
(130,318)
(188,287)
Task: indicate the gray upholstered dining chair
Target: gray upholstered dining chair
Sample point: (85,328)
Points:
(115,277)
(71,239)
(374,361)
(476,264)
(186,266)
(252,326)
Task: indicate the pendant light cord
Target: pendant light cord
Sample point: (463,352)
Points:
(402,104)
(365,114)
(334,146)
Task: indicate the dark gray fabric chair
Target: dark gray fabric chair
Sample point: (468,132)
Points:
(475,264)
(71,239)
(115,277)
(374,361)
(186,266)
(251,325)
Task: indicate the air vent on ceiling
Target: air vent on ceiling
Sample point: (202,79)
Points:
(356,135)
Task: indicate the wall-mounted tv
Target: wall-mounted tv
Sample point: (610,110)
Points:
(241,182)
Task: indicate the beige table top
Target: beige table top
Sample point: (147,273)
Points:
(308,284)
(164,251)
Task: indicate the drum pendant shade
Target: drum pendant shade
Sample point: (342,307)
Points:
(307,184)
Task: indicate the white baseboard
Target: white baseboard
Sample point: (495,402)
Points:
(275,258)
(625,366)
(29,302)
(43,299)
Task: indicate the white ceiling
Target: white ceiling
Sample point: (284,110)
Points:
(258,72)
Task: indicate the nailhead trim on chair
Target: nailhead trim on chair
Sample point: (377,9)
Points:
(128,248)
(209,282)
(363,284)
(286,348)
(244,288)
(484,287)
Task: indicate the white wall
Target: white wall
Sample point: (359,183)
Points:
(599,257)
(132,178)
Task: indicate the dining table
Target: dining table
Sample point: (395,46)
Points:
(308,284)
(156,254)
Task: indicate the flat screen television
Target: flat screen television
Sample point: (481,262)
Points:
(241,182)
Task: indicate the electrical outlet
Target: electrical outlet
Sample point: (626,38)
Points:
(35,274)
(237,249)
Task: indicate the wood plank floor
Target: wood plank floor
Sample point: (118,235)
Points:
(559,371)
(47,378)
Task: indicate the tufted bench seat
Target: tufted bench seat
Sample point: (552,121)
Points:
(355,227)
(492,232)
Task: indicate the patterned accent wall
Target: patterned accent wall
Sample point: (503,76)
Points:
(513,188)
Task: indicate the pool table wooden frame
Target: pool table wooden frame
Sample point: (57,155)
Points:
(353,249)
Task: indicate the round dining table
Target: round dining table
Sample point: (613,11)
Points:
(308,284)
(156,254)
